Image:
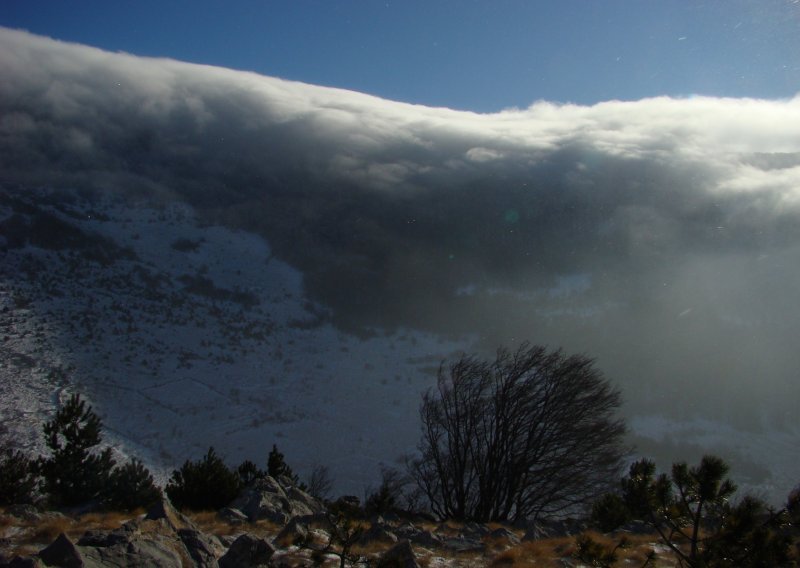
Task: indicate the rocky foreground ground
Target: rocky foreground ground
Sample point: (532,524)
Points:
(275,525)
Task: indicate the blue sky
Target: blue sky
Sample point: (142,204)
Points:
(473,55)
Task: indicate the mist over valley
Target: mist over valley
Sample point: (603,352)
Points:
(217,257)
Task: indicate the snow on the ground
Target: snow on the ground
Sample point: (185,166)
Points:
(773,450)
(185,336)
(201,337)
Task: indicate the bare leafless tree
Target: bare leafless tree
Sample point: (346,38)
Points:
(532,433)
(320,482)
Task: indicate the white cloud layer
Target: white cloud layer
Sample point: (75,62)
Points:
(392,208)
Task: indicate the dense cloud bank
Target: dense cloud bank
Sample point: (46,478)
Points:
(662,235)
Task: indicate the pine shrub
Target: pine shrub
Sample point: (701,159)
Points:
(207,484)
(75,473)
(131,486)
(17,478)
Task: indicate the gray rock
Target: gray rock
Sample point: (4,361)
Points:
(247,551)
(554,528)
(504,533)
(463,545)
(406,530)
(401,555)
(61,552)
(227,540)
(294,532)
(267,499)
(232,516)
(378,533)
(474,530)
(534,531)
(204,549)
(150,543)
(140,553)
(101,538)
(425,538)
(163,510)
(301,498)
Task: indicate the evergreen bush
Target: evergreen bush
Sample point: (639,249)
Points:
(610,512)
(207,484)
(18,479)
(75,473)
(131,486)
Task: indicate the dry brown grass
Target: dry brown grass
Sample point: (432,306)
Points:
(372,548)
(107,521)
(265,528)
(28,537)
(636,549)
(551,551)
(6,521)
(544,552)
(210,522)
(46,530)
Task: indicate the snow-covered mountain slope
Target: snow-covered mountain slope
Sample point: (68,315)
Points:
(763,462)
(183,337)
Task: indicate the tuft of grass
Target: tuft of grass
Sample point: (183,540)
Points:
(372,548)
(47,530)
(509,557)
(209,522)
(6,521)
(109,520)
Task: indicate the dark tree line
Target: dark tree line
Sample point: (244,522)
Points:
(532,433)
(75,472)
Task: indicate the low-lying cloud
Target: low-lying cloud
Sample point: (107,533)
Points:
(662,235)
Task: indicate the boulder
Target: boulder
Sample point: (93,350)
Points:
(294,532)
(105,538)
(474,530)
(226,540)
(425,538)
(247,551)
(232,516)
(302,499)
(139,553)
(203,549)
(462,544)
(401,555)
(152,542)
(377,532)
(163,510)
(554,528)
(267,499)
(61,552)
(406,530)
(422,537)
(503,533)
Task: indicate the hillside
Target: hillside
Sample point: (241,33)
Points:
(185,336)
